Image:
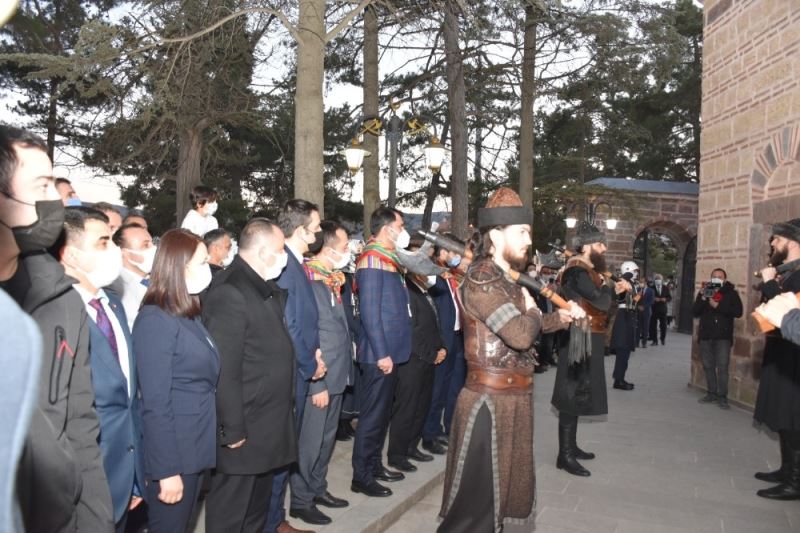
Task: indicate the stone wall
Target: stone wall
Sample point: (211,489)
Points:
(750,155)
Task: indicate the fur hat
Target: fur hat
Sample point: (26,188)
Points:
(790,229)
(504,208)
(587,234)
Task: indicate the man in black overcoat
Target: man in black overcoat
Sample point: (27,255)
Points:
(244,312)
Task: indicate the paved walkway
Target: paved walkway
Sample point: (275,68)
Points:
(666,464)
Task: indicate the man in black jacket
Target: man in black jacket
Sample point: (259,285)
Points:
(717,305)
(61,482)
(243,311)
(659,318)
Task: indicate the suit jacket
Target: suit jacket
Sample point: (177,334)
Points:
(119,412)
(385,320)
(425,338)
(334,339)
(178,368)
(446,309)
(255,395)
(660,308)
(301,315)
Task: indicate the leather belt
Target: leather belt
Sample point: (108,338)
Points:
(499,381)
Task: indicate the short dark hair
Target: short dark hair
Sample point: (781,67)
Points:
(720,270)
(167,289)
(62,181)
(295,213)
(254,231)
(382,216)
(329,230)
(105,207)
(9,137)
(214,235)
(119,235)
(132,214)
(75,221)
(201,195)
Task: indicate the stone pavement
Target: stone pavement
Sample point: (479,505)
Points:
(666,464)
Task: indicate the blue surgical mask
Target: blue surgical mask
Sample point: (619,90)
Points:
(454,261)
(74,202)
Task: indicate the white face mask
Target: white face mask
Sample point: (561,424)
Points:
(148,255)
(211,208)
(431,281)
(275,270)
(658,282)
(228,259)
(198,277)
(403,239)
(107,266)
(343,261)
(717,281)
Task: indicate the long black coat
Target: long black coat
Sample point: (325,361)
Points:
(778,400)
(245,317)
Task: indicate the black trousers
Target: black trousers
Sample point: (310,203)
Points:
(377,391)
(236,503)
(412,399)
(547,346)
(472,510)
(658,321)
(172,518)
(621,363)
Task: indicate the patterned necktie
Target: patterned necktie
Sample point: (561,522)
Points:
(105,326)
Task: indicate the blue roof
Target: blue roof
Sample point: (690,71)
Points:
(651,186)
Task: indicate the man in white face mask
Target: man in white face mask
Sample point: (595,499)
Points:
(89,256)
(138,253)
(244,313)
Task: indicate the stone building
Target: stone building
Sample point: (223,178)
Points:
(750,155)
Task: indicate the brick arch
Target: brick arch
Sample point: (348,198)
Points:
(678,233)
(783,149)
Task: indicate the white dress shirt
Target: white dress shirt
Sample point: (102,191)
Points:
(122,344)
(199,224)
(130,289)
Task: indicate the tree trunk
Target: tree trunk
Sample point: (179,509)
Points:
(457,112)
(371,92)
(52,118)
(526,113)
(190,151)
(309,112)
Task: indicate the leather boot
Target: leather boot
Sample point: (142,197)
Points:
(777,476)
(579,454)
(790,488)
(566,452)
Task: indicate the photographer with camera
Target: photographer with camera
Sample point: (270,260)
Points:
(717,305)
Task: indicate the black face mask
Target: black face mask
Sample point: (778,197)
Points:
(45,231)
(316,246)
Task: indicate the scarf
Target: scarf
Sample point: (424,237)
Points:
(334,280)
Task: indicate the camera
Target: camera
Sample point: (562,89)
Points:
(710,289)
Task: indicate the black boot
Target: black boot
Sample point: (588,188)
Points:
(777,476)
(790,488)
(566,452)
(579,454)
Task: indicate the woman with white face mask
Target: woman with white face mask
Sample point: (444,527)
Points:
(200,218)
(178,367)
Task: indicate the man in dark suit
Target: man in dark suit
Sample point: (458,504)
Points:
(61,483)
(659,318)
(243,312)
(89,256)
(385,341)
(299,221)
(324,400)
(450,374)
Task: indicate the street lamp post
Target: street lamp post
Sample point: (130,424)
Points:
(590,215)
(394,130)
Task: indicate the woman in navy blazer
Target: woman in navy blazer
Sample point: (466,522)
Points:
(178,367)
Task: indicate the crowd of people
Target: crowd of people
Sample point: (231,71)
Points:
(195,359)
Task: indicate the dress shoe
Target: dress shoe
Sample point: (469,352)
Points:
(384,474)
(540,369)
(789,488)
(708,398)
(433,447)
(779,475)
(342,433)
(417,455)
(312,515)
(723,403)
(654,343)
(444,440)
(286,527)
(403,465)
(329,500)
(623,385)
(373,488)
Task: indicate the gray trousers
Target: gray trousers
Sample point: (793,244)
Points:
(716,356)
(314,451)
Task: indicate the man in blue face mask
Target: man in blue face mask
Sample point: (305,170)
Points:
(68,195)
